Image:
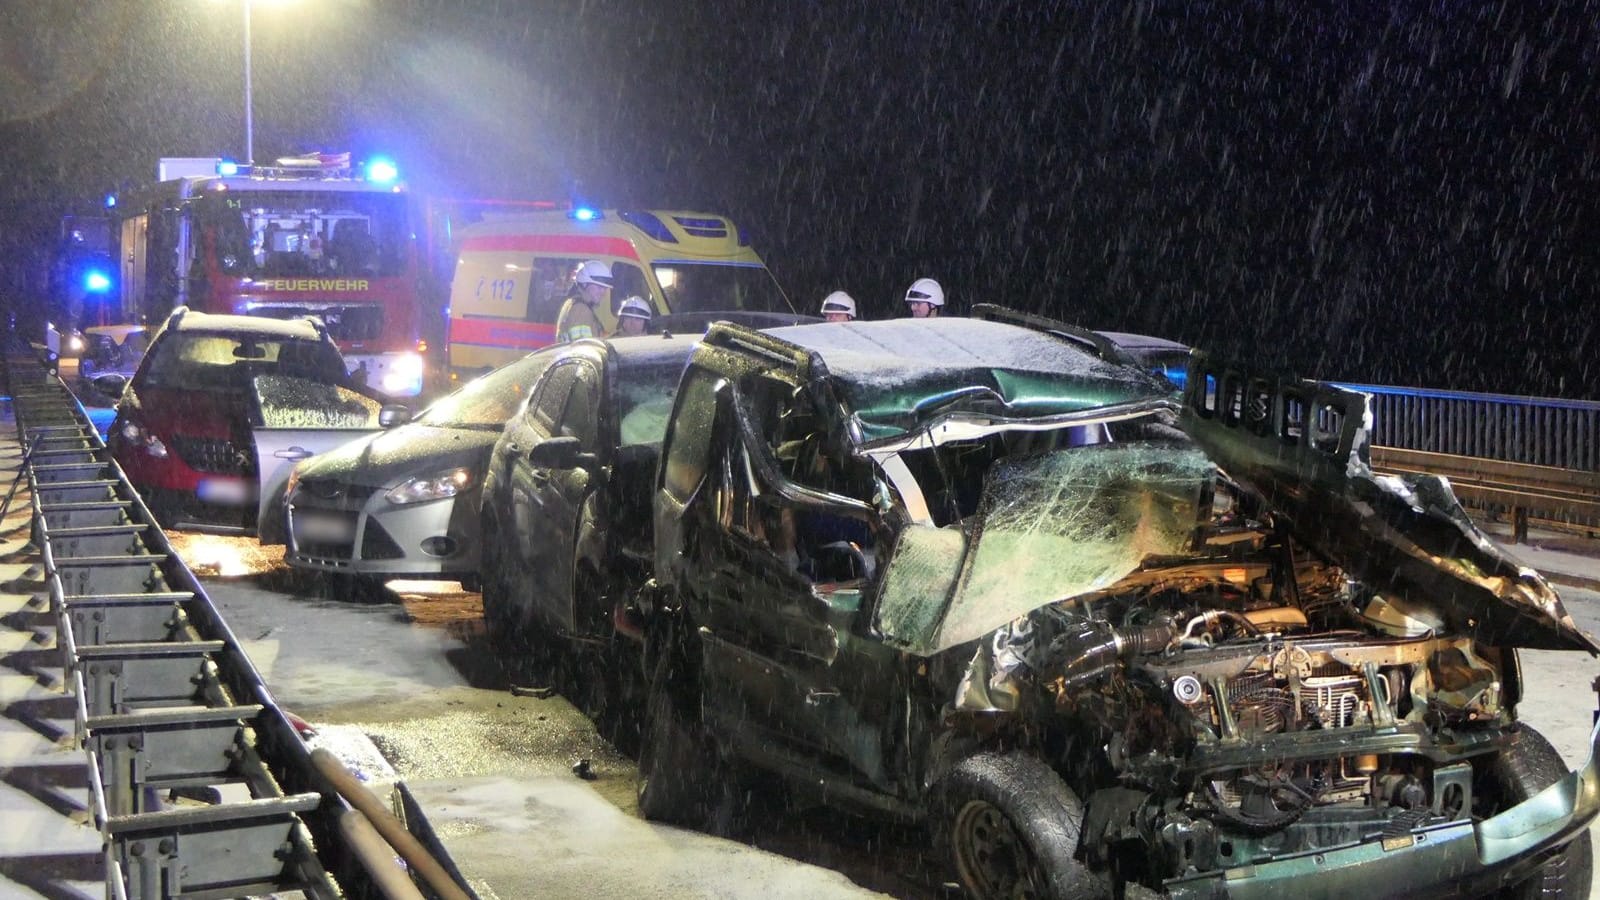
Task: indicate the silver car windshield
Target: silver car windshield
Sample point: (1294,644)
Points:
(489,401)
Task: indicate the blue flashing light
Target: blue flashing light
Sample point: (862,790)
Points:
(96,281)
(111,201)
(227,167)
(585,214)
(650,224)
(382,171)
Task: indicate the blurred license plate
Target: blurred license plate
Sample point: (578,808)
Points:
(230,491)
(324,528)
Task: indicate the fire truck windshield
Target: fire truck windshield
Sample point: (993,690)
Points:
(278,234)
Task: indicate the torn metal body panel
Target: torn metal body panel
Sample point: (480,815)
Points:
(1242,658)
(1302,447)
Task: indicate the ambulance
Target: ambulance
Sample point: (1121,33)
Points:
(514,272)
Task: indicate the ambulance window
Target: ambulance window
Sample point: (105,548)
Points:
(627,281)
(548,285)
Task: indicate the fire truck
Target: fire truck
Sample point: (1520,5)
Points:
(310,235)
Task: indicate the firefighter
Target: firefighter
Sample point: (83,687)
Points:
(924,298)
(591,288)
(633,317)
(838,307)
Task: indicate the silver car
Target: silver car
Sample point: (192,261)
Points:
(403,503)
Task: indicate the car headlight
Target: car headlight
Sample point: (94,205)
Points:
(144,439)
(432,487)
(404,375)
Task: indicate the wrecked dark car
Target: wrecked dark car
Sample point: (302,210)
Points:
(999,579)
(564,519)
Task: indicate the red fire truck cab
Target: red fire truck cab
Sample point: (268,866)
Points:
(311,235)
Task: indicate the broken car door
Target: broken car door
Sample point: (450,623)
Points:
(776,614)
(560,490)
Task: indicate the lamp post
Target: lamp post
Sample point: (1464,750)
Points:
(249,116)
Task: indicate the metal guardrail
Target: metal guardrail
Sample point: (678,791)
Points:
(199,784)
(1540,431)
(1526,457)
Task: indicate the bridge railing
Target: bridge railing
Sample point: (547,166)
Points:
(1535,457)
(1540,431)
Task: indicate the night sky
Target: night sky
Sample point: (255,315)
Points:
(1399,193)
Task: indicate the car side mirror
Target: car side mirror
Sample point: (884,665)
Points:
(561,453)
(392,414)
(111,384)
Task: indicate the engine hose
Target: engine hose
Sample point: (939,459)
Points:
(1250,824)
(1094,647)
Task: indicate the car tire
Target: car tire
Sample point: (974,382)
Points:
(472,583)
(677,761)
(1525,767)
(1011,827)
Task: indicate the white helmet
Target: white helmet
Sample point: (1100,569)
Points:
(925,290)
(839,302)
(635,308)
(594,272)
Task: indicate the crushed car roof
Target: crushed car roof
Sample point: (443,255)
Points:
(893,373)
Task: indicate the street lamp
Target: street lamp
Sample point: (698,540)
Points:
(249,116)
(249,111)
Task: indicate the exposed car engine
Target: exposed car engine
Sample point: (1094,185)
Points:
(1241,703)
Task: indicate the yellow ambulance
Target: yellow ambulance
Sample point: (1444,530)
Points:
(513,273)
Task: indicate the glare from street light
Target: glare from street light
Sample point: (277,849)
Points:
(249,112)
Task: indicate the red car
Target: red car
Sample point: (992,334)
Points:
(185,426)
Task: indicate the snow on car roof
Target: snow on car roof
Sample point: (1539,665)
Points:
(874,350)
(219,322)
(650,349)
(892,370)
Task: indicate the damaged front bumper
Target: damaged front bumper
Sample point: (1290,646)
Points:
(1455,859)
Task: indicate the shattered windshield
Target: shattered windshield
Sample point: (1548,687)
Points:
(1047,527)
(288,402)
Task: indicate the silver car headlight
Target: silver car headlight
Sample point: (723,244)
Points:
(432,487)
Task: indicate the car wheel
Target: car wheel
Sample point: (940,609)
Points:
(472,583)
(1012,826)
(1524,768)
(677,761)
